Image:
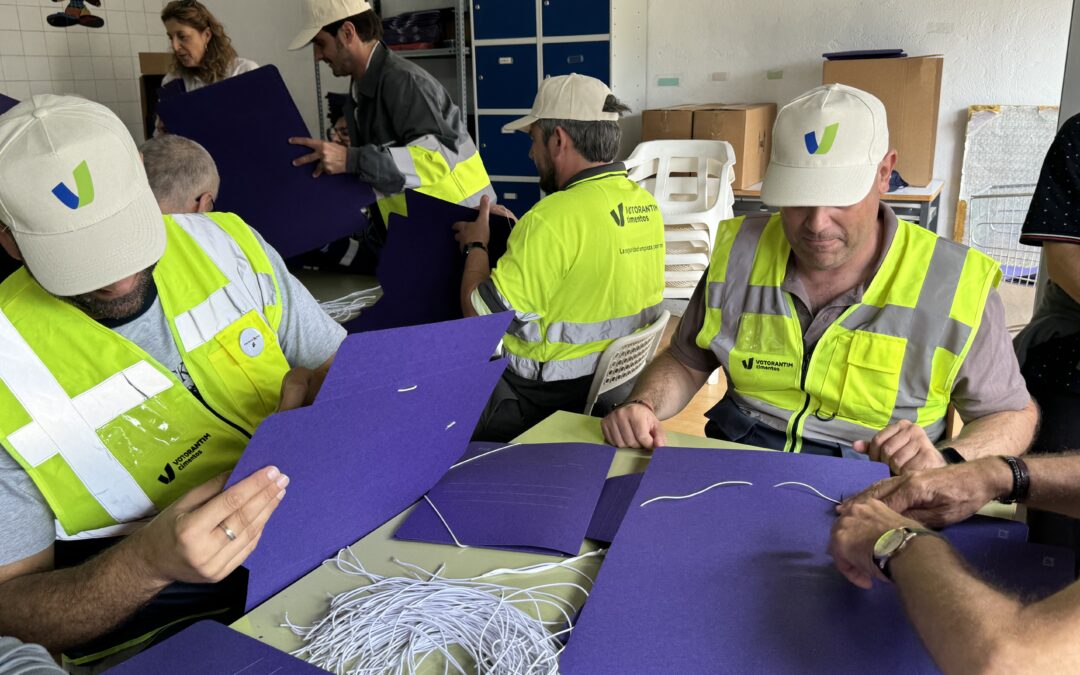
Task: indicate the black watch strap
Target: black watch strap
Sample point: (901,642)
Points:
(1021,481)
(474,244)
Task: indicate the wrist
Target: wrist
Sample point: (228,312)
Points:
(139,557)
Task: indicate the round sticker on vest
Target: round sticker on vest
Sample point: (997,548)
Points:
(251,341)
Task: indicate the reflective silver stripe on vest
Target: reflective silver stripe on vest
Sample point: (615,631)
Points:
(246,291)
(553,371)
(736,291)
(120,530)
(525,326)
(406,163)
(926,327)
(59,428)
(567,332)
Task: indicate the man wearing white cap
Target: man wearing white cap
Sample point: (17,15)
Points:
(841,329)
(137,356)
(404,130)
(583,267)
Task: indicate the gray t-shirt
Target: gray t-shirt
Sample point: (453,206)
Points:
(17,658)
(308,336)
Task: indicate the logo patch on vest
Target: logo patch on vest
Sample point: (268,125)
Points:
(619,215)
(251,342)
(766,364)
(168,476)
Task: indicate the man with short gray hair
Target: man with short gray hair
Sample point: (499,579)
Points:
(583,267)
(182,174)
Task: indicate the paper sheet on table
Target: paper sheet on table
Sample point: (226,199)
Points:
(737,579)
(356,462)
(611,509)
(533,497)
(394,356)
(420,266)
(210,647)
(245,123)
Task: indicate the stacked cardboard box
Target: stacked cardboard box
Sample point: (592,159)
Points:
(746,126)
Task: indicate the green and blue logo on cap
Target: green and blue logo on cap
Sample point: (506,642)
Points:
(827,139)
(84,186)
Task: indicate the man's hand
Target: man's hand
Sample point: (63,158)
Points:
(330,156)
(853,537)
(188,542)
(941,497)
(633,425)
(904,446)
(477,230)
(299,387)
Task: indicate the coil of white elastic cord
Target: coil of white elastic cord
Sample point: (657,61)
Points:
(347,306)
(393,624)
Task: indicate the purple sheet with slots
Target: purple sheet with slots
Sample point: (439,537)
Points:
(245,123)
(7,103)
(420,266)
(537,498)
(209,647)
(737,579)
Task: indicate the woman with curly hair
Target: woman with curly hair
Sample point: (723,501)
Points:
(202,53)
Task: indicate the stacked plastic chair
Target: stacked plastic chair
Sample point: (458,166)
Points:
(691,181)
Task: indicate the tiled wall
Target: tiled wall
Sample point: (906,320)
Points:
(101,64)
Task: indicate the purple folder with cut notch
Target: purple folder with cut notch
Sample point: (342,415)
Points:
(420,266)
(536,498)
(611,509)
(211,648)
(355,462)
(395,355)
(245,122)
(737,579)
(7,103)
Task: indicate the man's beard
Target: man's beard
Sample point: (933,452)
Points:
(547,180)
(117,309)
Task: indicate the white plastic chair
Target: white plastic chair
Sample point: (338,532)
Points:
(625,358)
(691,181)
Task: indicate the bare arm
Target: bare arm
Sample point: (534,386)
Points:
(664,389)
(1063,263)
(1009,432)
(477,264)
(185,542)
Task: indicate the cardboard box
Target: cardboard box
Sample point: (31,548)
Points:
(675,122)
(154,63)
(748,127)
(910,88)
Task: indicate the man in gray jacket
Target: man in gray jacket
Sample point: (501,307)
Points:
(405,131)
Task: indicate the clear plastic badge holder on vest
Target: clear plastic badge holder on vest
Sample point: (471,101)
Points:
(691,181)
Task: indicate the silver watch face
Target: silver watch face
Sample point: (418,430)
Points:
(889,542)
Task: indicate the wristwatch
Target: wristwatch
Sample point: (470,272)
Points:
(894,541)
(471,245)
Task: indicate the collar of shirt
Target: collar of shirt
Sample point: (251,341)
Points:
(373,73)
(595,172)
(793,284)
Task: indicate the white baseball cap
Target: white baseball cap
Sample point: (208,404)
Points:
(568,97)
(827,145)
(321,13)
(74,193)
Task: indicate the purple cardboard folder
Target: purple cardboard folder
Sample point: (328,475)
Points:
(7,103)
(420,266)
(245,122)
(532,497)
(211,648)
(356,462)
(737,579)
(397,355)
(611,509)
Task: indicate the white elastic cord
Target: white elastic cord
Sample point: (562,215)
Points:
(695,494)
(395,624)
(445,524)
(412,388)
(485,454)
(345,307)
(808,487)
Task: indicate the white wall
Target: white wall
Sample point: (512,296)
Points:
(100,64)
(996,51)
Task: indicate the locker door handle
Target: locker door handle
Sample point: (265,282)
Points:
(509,196)
(575,59)
(506,60)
